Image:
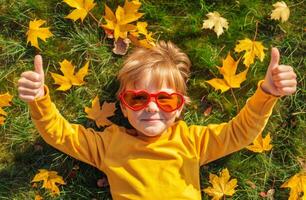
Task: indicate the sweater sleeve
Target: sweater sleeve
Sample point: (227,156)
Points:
(217,140)
(73,139)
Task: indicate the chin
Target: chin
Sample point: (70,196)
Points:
(151,132)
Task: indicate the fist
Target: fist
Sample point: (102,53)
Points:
(280,80)
(31,83)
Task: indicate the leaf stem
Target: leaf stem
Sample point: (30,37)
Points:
(235,100)
(94,18)
(256,31)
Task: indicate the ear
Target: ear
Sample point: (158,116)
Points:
(123,110)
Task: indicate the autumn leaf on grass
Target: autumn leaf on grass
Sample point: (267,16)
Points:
(297,184)
(34,32)
(5,100)
(82,7)
(69,77)
(281,11)
(252,49)
(231,80)
(118,23)
(215,20)
(49,178)
(221,185)
(261,144)
(38,197)
(148,41)
(98,114)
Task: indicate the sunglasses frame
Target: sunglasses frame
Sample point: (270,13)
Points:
(154,95)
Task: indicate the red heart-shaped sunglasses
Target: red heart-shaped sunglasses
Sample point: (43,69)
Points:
(139,99)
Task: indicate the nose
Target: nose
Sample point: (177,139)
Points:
(152,107)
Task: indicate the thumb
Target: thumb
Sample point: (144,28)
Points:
(38,64)
(274,57)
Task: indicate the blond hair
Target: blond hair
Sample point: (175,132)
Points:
(165,62)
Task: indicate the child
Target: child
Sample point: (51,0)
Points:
(160,158)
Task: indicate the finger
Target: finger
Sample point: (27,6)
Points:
(23,82)
(282,68)
(285,83)
(26,98)
(284,76)
(27,91)
(287,90)
(274,57)
(31,75)
(38,64)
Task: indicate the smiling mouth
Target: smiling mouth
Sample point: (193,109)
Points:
(151,120)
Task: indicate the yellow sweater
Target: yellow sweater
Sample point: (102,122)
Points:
(166,167)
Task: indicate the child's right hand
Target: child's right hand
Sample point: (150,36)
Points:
(31,83)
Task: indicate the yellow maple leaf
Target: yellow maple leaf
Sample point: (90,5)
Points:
(252,49)
(148,41)
(281,11)
(82,7)
(297,184)
(119,22)
(221,185)
(261,144)
(34,32)
(231,80)
(98,114)
(5,100)
(49,178)
(69,78)
(215,20)
(38,197)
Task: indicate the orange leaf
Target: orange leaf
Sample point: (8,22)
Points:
(99,114)
(69,77)
(231,80)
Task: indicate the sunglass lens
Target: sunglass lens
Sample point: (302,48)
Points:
(169,102)
(136,100)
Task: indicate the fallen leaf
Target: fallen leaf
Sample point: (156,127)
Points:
(207,111)
(98,114)
(34,32)
(280,12)
(50,179)
(252,49)
(215,21)
(297,184)
(121,46)
(82,7)
(38,197)
(5,100)
(148,41)
(261,144)
(250,183)
(69,77)
(231,80)
(221,185)
(118,22)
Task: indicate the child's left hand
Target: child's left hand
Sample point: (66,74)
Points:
(280,80)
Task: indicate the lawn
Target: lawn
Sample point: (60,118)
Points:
(23,151)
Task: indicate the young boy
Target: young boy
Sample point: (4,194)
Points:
(160,158)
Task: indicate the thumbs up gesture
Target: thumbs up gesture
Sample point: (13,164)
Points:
(31,83)
(280,80)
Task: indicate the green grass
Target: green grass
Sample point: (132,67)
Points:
(23,152)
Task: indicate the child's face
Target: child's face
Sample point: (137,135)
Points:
(150,121)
